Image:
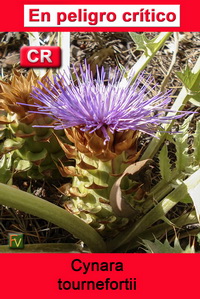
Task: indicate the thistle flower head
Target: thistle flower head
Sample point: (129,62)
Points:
(91,105)
(19,89)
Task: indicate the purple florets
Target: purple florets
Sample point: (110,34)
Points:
(92,104)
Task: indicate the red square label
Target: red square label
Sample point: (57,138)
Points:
(42,56)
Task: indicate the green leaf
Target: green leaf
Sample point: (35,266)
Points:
(11,144)
(46,248)
(184,160)
(159,247)
(42,134)
(125,238)
(194,194)
(149,46)
(23,165)
(195,99)
(36,206)
(6,168)
(190,79)
(34,157)
(33,173)
(117,200)
(197,143)
(180,101)
(164,164)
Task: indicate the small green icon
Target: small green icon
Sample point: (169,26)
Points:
(16,240)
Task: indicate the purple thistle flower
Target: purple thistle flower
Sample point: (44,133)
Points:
(91,104)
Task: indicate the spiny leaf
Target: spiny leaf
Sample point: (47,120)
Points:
(149,46)
(180,101)
(164,164)
(171,198)
(159,247)
(181,142)
(191,81)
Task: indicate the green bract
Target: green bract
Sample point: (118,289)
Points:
(25,150)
